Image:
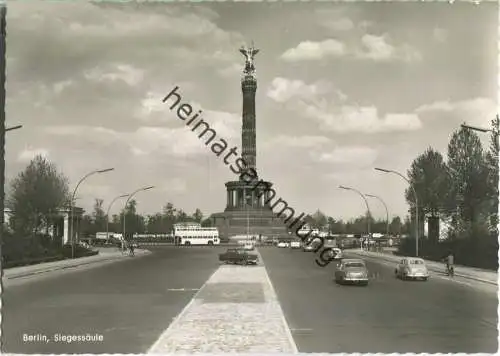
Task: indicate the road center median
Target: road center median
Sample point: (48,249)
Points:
(236,310)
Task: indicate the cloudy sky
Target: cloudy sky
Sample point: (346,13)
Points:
(342,88)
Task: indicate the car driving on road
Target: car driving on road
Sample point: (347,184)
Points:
(412,268)
(238,256)
(352,270)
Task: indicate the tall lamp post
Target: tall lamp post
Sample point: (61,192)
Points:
(414,197)
(386,210)
(107,212)
(131,195)
(72,204)
(13,128)
(247,205)
(494,130)
(367,209)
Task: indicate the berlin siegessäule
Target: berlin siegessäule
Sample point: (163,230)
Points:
(65,338)
(261,193)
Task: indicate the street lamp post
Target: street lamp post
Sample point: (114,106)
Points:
(494,130)
(131,195)
(72,204)
(13,128)
(107,212)
(386,210)
(367,209)
(416,203)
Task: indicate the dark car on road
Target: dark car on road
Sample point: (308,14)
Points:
(238,256)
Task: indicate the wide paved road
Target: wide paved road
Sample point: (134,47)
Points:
(387,316)
(129,303)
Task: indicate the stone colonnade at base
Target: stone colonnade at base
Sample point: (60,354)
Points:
(241,195)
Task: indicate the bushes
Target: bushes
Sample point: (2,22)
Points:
(479,251)
(22,251)
(79,251)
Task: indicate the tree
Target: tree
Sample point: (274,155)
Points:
(37,194)
(206,223)
(181,216)
(428,175)
(87,225)
(197,216)
(98,217)
(396,226)
(134,223)
(155,224)
(491,159)
(467,201)
(319,219)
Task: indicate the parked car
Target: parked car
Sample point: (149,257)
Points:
(412,268)
(295,244)
(352,270)
(282,244)
(336,253)
(238,256)
(311,244)
(249,246)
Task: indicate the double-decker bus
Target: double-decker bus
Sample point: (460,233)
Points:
(194,234)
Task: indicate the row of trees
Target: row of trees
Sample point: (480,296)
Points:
(159,223)
(463,191)
(396,226)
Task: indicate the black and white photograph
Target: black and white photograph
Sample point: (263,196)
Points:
(249,177)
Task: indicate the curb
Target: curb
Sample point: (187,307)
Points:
(434,269)
(58,268)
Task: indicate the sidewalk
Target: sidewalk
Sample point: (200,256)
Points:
(478,274)
(104,255)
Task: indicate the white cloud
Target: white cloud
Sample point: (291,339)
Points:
(378,48)
(26,155)
(282,90)
(478,111)
(322,103)
(301,142)
(343,24)
(350,155)
(352,177)
(179,141)
(309,50)
(115,72)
